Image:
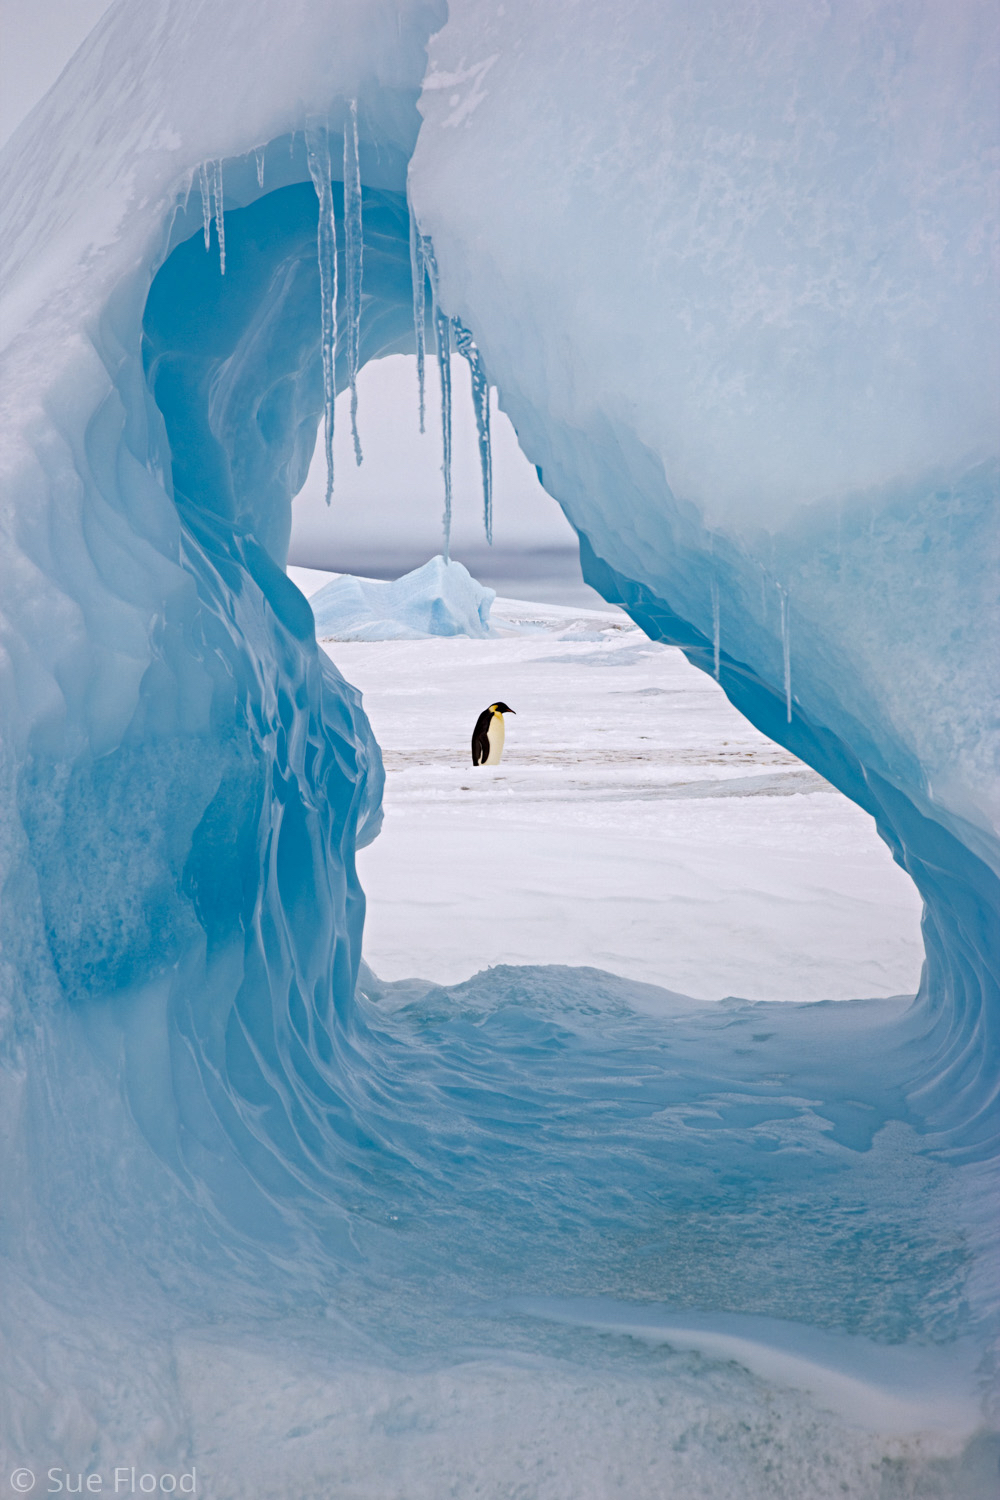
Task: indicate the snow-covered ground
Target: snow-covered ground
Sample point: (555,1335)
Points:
(637,823)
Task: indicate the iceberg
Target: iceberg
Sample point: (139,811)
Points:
(729,271)
(441,598)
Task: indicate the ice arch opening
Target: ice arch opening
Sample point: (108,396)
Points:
(185,781)
(234,365)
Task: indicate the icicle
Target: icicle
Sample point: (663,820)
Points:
(716,634)
(418,276)
(220,221)
(206,204)
(442,341)
(259,154)
(353,248)
(442,330)
(481,402)
(786,651)
(318,157)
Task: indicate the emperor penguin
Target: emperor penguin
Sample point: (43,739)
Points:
(487,737)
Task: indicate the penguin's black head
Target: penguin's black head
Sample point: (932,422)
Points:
(500,708)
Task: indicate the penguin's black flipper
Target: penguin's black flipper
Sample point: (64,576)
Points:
(481,739)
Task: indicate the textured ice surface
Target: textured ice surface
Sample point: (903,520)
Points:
(728,269)
(441,598)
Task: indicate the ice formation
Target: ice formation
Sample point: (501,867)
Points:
(442,344)
(441,598)
(466,346)
(729,270)
(418,275)
(320,170)
(353,257)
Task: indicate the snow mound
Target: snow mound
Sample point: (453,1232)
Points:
(441,598)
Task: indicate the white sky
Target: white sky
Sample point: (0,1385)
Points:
(396,498)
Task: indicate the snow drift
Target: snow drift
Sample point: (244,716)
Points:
(730,273)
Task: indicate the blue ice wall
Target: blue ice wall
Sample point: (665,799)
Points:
(201,862)
(233,360)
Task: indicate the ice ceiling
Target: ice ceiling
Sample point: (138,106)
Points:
(734,292)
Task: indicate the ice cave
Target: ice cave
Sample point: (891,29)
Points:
(268,1219)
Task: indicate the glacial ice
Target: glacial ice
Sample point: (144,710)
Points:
(441,598)
(728,269)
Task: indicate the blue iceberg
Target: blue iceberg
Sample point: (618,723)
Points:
(546,1232)
(441,598)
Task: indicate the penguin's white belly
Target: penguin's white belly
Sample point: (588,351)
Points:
(495,736)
